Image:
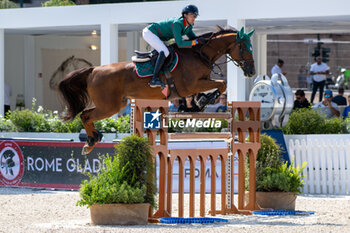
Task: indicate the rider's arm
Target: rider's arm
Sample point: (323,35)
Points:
(190,34)
(178,37)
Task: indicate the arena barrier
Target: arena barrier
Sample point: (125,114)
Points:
(248,121)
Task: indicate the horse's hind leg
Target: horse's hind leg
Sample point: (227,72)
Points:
(88,117)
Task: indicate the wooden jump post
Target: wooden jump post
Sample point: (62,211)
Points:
(239,127)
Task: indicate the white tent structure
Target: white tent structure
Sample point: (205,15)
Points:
(266,17)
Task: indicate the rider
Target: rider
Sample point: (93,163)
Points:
(168,29)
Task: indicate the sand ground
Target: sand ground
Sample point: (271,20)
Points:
(28,210)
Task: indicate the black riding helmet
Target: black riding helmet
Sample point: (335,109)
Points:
(190,9)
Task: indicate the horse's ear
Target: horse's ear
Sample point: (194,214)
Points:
(251,33)
(241,33)
(219,28)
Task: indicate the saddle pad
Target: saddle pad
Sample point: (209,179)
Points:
(146,69)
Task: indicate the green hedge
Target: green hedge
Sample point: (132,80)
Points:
(308,121)
(5,4)
(58,3)
(40,120)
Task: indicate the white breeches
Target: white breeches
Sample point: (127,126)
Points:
(154,41)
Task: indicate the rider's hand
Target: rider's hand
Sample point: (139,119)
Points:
(200,40)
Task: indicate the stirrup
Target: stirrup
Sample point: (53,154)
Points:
(155,83)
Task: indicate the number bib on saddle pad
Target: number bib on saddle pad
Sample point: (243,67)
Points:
(146,69)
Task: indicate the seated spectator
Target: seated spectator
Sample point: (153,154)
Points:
(346,112)
(213,107)
(326,106)
(223,101)
(340,99)
(127,109)
(189,105)
(174,105)
(300,100)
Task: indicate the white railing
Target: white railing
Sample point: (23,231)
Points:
(328,164)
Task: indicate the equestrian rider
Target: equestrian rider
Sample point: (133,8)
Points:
(168,29)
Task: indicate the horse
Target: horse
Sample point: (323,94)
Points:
(109,87)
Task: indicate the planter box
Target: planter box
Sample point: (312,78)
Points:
(275,200)
(119,214)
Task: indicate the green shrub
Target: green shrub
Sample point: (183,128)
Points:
(5,4)
(308,121)
(304,121)
(29,121)
(269,155)
(6,125)
(126,178)
(281,179)
(272,174)
(123,124)
(335,125)
(58,3)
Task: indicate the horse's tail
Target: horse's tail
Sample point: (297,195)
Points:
(74,91)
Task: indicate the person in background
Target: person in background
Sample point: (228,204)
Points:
(300,100)
(127,109)
(223,101)
(174,105)
(319,70)
(277,68)
(340,99)
(302,77)
(329,108)
(346,112)
(7,100)
(189,105)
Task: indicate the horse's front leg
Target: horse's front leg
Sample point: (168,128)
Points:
(208,84)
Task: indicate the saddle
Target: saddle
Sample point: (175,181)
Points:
(152,56)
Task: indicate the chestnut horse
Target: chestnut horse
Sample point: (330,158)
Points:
(109,87)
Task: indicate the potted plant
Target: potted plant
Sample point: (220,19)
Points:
(121,194)
(277,183)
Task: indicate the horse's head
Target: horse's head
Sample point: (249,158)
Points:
(242,52)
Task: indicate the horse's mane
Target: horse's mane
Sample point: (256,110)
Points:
(220,31)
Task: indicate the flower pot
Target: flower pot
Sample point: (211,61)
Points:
(119,214)
(275,200)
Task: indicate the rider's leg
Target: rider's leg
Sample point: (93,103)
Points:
(163,51)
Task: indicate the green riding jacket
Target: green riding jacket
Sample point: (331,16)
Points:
(173,28)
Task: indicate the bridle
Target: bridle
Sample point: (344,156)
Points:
(210,62)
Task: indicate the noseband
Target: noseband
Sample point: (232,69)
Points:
(241,62)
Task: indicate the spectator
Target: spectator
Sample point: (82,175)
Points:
(300,100)
(302,77)
(277,68)
(189,105)
(127,109)
(326,106)
(340,99)
(174,105)
(7,100)
(223,101)
(319,70)
(346,112)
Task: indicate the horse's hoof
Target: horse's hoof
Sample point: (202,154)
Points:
(86,149)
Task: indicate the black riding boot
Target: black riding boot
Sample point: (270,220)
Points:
(155,82)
